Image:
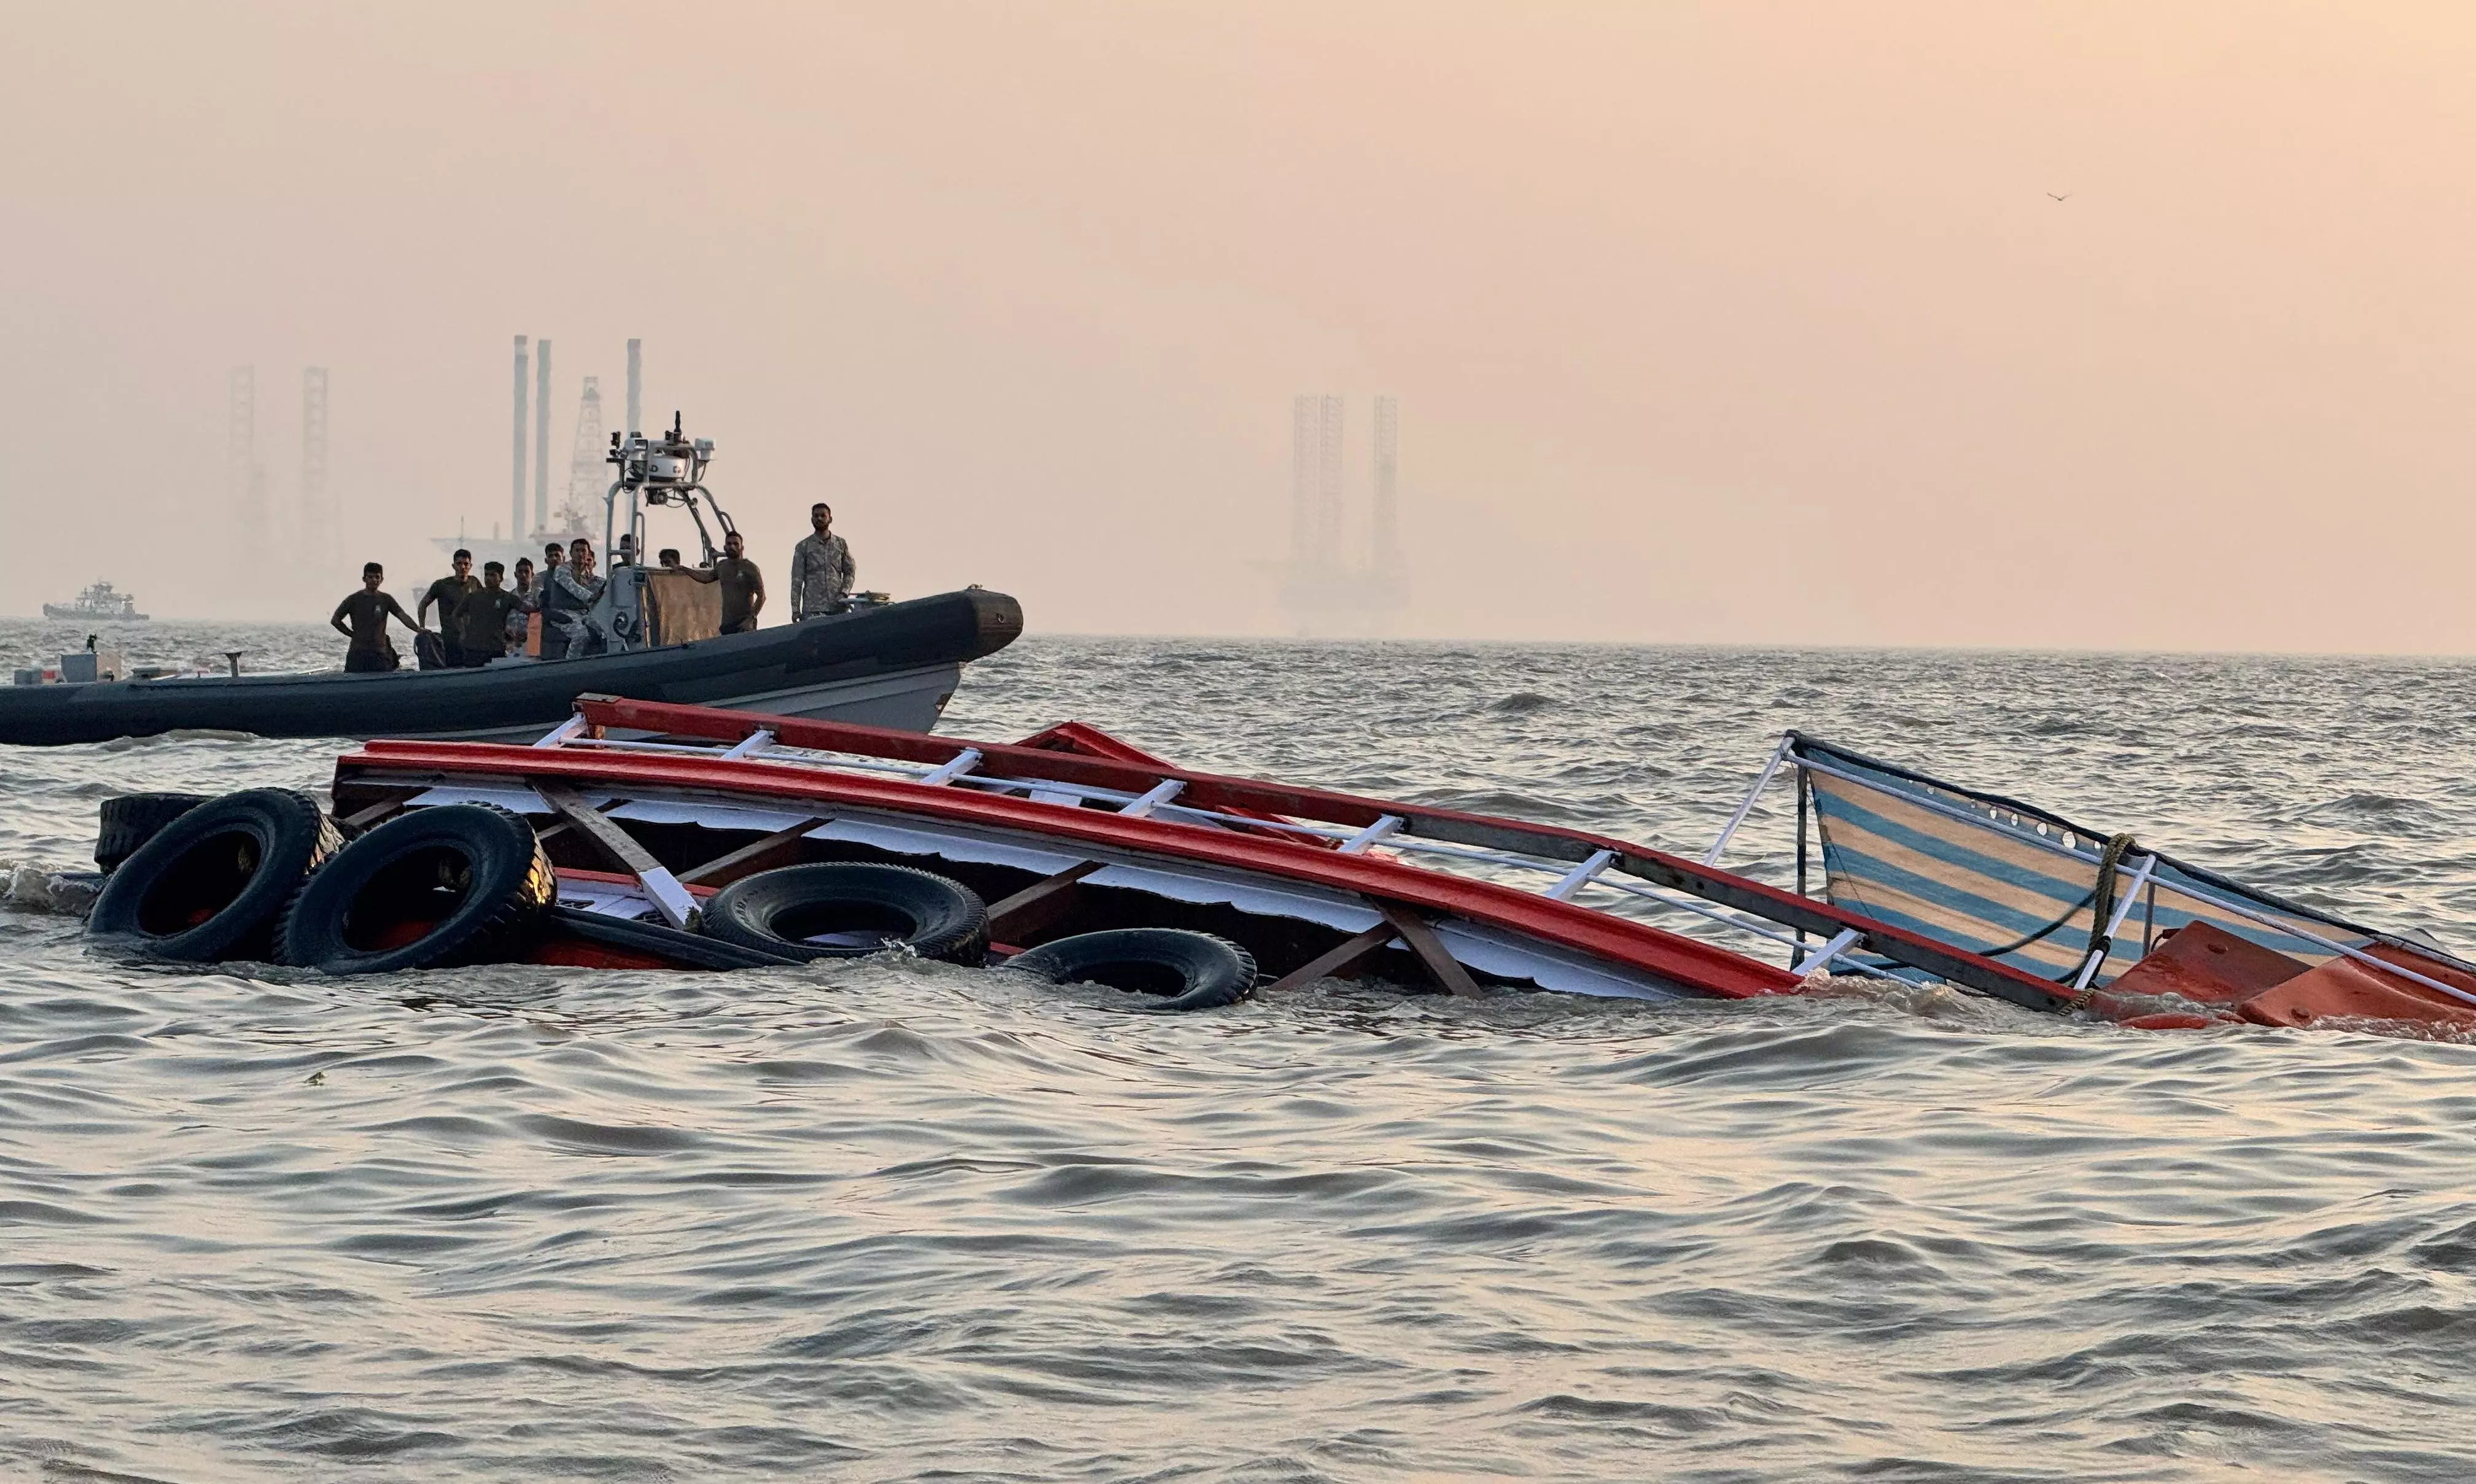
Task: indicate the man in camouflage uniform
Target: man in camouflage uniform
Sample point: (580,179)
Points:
(821,568)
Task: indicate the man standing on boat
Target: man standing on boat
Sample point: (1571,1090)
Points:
(821,568)
(481,619)
(449,593)
(520,618)
(568,592)
(368,649)
(743,586)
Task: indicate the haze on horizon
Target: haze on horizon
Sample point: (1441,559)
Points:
(1710,323)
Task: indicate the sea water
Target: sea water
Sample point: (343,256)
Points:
(903,1221)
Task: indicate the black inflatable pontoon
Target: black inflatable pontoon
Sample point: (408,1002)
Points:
(891,666)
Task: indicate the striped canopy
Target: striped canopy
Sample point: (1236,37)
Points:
(1983,873)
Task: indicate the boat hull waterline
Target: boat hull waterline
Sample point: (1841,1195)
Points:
(893,666)
(1127,840)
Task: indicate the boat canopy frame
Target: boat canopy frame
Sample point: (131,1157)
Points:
(2137,872)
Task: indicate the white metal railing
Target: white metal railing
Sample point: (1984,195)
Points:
(1390,831)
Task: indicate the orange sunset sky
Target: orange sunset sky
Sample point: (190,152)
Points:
(1709,322)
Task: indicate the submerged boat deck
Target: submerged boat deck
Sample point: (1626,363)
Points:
(1072,831)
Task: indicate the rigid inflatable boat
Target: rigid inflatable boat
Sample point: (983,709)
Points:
(893,666)
(643,834)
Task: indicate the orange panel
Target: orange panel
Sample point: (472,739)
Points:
(2209,965)
(2343,987)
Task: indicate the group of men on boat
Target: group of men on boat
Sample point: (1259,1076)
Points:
(481,619)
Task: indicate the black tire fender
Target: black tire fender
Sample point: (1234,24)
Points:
(1190,971)
(131,820)
(688,950)
(454,883)
(211,883)
(877,907)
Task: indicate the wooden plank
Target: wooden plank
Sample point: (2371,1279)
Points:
(1430,949)
(670,898)
(1039,904)
(559,827)
(748,853)
(1338,960)
(363,819)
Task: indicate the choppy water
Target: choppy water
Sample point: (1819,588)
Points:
(901,1222)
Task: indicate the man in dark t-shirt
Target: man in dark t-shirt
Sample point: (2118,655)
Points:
(449,593)
(481,618)
(743,586)
(367,612)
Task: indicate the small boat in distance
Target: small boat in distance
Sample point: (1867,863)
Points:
(101,600)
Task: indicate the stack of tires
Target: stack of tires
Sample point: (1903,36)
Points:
(265,876)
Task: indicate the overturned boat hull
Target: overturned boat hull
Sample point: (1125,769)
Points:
(1069,833)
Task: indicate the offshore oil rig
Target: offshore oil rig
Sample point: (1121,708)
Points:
(588,466)
(1335,583)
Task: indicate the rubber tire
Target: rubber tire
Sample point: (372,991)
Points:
(926,913)
(689,949)
(131,820)
(268,837)
(388,873)
(1190,971)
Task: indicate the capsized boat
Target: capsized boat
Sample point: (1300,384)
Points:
(649,811)
(645,834)
(1072,832)
(894,665)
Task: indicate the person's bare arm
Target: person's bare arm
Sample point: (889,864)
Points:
(397,608)
(757,598)
(339,619)
(700,574)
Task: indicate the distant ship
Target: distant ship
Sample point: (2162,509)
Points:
(101,601)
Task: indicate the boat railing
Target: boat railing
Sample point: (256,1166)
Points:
(1565,865)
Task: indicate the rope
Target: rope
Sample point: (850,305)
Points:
(2102,913)
(2016,944)
(2100,897)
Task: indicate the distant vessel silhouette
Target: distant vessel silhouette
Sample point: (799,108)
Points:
(101,601)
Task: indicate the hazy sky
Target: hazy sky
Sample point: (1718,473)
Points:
(1725,322)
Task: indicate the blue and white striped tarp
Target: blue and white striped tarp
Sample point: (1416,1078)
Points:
(1981,873)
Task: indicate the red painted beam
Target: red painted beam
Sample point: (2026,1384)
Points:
(1686,961)
(1237,795)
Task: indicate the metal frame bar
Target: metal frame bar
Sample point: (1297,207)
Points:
(755,741)
(1821,958)
(558,735)
(1153,797)
(1581,876)
(1367,838)
(1711,857)
(2122,908)
(952,767)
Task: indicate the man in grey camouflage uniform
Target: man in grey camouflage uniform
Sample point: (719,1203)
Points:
(821,568)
